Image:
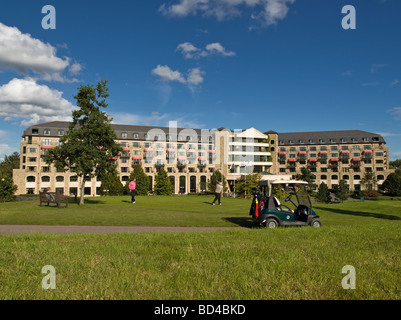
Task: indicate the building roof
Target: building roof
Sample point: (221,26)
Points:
(118,129)
(327,137)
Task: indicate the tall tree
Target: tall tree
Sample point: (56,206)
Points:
(142,180)
(323,193)
(342,190)
(7,188)
(111,185)
(369,181)
(163,185)
(392,184)
(246,184)
(9,163)
(307,176)
(89,145)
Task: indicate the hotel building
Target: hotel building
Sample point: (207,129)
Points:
(190,156)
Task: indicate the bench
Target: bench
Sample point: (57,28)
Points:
(53,197)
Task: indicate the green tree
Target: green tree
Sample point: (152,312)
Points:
(342,190)
(215,177)
(246,184)
(9,163)
(111,185)
(307,176)
(396,165)
(142,180)
(323,193)
(89,145)
(369,181)
(392,185)
(7,189)
(163,185)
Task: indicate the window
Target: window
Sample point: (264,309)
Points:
(46,132)
(35,131)
(346,177)
(312,148)
(379,154)
(366,147)
(333,140)
(45,179)
(333,148)
(124,135)
(323,177)
(46,169)
(60,132)
(73,178)
(30,179)
(354,139)
(312,141)
(334,177)
(343,140)
(31,159)
(324,148)
(291,141)
(59,179)
(302,141)
(357,177)
(322,140)
(344,148)
(136,135)
(293,149)
(281,142)
(47,142)
(365,139)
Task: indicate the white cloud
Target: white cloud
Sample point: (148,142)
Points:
(375,67)
(394,82)
(189,51)
(194,78)
(266,12)
(395,112)
(5,149)
(23,53)
(217,48)
(75,69)
(166,74)
(33,103)
(389,134)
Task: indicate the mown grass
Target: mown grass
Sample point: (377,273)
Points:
(254,264)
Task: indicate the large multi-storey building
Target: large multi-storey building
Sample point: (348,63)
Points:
(190,156)
(332,155)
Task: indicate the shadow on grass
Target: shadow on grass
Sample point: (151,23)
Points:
(361,214)
(94,201)
(240,221)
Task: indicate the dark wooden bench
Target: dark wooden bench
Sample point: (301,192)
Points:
(53,197)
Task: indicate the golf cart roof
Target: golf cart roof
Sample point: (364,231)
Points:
(265,182)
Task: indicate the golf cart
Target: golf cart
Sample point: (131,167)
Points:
(267,211)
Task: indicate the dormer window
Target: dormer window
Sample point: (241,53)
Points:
(46,132)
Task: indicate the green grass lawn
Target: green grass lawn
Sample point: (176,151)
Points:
(244,263)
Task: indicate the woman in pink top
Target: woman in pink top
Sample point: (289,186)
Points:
(132,186)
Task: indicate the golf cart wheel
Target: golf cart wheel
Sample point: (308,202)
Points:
(271,223)
(316,223)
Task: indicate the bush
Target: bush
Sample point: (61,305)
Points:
(372,195)
(7,189)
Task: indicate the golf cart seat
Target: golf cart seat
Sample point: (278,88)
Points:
(279,206)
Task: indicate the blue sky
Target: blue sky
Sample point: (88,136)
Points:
(283,65)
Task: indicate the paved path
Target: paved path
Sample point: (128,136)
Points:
(18,229)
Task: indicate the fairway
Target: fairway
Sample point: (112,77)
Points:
(242,263)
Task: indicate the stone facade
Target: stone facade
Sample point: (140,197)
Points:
(190,156)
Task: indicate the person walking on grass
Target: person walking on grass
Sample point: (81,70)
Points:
(219,190)
(132,186)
